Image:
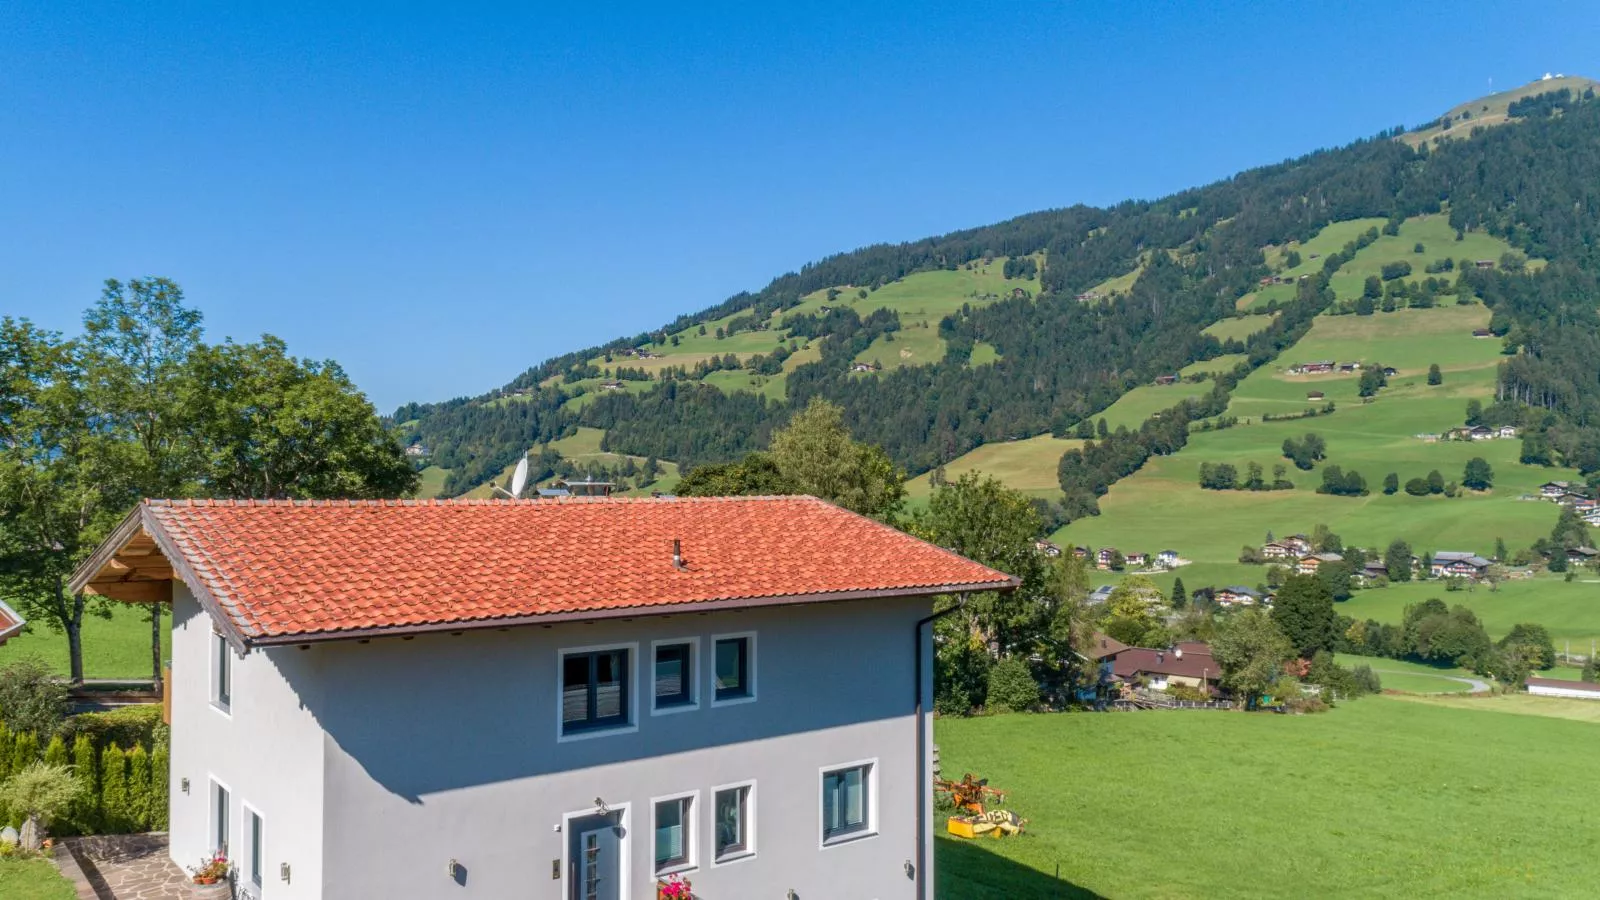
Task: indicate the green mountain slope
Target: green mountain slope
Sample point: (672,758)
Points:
(938,347)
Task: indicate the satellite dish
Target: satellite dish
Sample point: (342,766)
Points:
(519,479)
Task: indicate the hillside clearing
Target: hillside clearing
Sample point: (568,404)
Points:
(1027,465)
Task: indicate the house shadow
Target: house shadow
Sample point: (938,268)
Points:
(967,868)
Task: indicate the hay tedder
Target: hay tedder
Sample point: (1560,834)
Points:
(973,818)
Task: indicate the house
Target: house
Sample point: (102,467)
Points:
(1582,555)
(416,451)
(1299,542)
(1573,499)
(1104,556)
(1315,395)
(1483,264)
(424,699)
(1592,517)
(1313,368)
(1457,564)
(612,386)
(1167,559)
(1559,687)
(1087,296)
(1371,573)
(1309,564)
(1482,333)
(1104,645)
(1080,552)
(1138,560)
(1390,371)
(1166,379)
(1350,367)
(1237,595)
(588,487)
(1556,489)
(1047,548)
(1101,594)
(865,367)
(552,493)
(11,623)
(1279,550)
(1162,669)
(1506,431)
(1480,433)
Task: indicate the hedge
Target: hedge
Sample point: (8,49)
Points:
(125,783)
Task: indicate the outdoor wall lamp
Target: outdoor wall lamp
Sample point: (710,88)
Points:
(283,872)
(454,869)
(600,807)
(183,785)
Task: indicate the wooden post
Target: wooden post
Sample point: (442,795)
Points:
(166,695)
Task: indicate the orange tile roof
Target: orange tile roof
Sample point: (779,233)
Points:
(282,570)
(11,622)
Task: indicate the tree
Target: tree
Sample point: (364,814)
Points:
(1534,642)
(1397,561)
(41,794)
(1536,449)
(1371,381)
(1417,487)
(1500,554)
(1391,483)
(1478,475)
(1435,377)
(1303,611)
(1570,531)
(755,475)
(1474,412)
(1252,651)
(1012,688)
(1180,596)
(1591,673)
(31,699)
(1372,288)
(1435,482)
(816,452)
(1130,613)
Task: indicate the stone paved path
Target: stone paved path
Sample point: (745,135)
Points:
(123,867)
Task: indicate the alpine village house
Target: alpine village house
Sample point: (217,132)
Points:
(561,699)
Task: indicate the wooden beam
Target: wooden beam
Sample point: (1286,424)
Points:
(133,591)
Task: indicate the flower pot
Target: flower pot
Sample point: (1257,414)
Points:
(222,890)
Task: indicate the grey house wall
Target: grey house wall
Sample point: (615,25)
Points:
(267,750)
(392,758)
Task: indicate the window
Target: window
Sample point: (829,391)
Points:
(846,802)
(252,824)
(674,676)
(594,689)
(735,668)
(219,813)
(674,833)
(732,823)
(221,671)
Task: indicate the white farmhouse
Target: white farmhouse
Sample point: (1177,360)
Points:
(559,700)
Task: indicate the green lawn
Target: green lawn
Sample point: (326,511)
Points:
(1570,610)
(118,647)
(1239,327)
(432,482)
(1026,465)
(33,879)
(1383,797)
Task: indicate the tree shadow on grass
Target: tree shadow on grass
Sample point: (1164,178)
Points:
(967,869)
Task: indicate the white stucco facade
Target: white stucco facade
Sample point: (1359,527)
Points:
(434,767)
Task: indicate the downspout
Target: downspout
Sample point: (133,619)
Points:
(923,776)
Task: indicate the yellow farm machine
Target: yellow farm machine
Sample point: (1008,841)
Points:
(973,818)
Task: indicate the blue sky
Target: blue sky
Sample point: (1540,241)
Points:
(440,198)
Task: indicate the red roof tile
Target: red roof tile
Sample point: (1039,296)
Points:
(11,622)
(282,569)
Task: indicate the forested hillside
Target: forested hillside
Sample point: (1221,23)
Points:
(1048,319)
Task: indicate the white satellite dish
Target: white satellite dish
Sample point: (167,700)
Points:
(519,480)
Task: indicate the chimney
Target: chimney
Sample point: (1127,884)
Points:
(677,554)
(1177,652)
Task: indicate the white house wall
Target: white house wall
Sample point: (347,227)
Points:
(267,751)
(444,748)
(1547,691)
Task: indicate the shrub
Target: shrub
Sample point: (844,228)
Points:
(86,813)
(141,798)
(1012,687)
(114,789)
(24,752)
(124,727)
(1187,692)
(31,699)
(40,794)
(159,785)
(1590,675)
(1365,679)
(56,753)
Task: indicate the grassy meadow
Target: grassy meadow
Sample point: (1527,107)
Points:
(1027,465)
(118,647)
(33,879)
(1487,112)
(1433,797)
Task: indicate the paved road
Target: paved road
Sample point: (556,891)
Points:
(1473,684)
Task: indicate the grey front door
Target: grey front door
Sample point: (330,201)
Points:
(595,852)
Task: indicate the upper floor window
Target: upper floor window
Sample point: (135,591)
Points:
(594,689)
(221,672)
(674,676)
(735,667)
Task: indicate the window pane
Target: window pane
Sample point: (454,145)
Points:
(844,801)
(731,820)
(575,689)
(224,689)
(853,798)
(672,675)
(610,672)
(222,818)
(255,849)
(670,845)
(732,667)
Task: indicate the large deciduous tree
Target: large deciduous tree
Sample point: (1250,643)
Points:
(1252,652)
(816,452)
(1303,611)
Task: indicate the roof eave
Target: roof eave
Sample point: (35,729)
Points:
(629,612)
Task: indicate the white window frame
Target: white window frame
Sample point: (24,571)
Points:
(691,834)
(221,654)
(211,815)
(251,888)
(693,677)
(585,734)
(750,668)
(870,784)
(750,847)
(626,850)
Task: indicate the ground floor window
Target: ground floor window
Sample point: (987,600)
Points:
(846,801)
(732,822)
(219,817)
(674,833)
(254,834)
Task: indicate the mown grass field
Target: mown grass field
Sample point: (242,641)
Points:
(33,879)
(1382,797)
(1571,610)
(118,647)
(1239,327)
(1517,705)
(1162,505)
(1027,465)
(921,300)
(1416,678)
